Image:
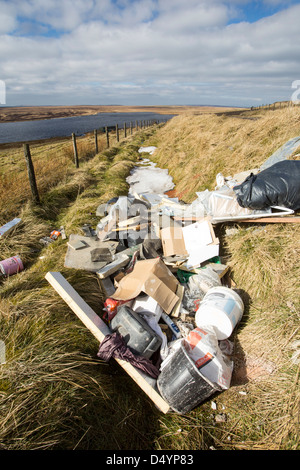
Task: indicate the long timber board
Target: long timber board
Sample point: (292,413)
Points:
(99,329)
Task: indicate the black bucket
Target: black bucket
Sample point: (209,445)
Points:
(181,383)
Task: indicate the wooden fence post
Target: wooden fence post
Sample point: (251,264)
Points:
(107,137)
(96,140)
(117,132)
(125,133)
(31,174)
(75,150)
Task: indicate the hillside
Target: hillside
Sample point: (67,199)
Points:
(54,392)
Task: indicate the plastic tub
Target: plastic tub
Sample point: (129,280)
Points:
(181,384)
(221,308)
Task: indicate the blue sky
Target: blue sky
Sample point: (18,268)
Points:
(149,52)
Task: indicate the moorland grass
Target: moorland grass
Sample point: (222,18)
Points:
(54,391)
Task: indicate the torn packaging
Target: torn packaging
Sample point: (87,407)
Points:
(197,241)
(154,279)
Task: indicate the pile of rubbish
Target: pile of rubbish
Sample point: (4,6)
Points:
(170,304)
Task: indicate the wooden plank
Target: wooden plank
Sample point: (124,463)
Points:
(176,310)
(99,329)
(136,228)
(274,220)
(284,219)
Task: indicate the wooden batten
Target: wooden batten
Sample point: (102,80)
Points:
(99,329)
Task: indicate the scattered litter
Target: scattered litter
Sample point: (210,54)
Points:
(2,352)
(149,180)
(150,149)
(221,418)
(55,234)
(46,241)
(282,153)
(9,226)
(11,266)
(63,233)
(296,355)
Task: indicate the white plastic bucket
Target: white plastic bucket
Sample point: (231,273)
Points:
(221,308)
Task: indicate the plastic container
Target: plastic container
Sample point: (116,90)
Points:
(11,266)
(181,383)
(221,308)
(138,335)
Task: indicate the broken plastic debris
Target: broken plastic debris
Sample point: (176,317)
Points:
(9,226)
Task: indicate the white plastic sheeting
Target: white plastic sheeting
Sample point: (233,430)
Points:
(149,179)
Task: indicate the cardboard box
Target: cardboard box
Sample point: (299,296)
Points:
(197,241)
(152,277)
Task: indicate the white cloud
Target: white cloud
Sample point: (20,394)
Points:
(146,50)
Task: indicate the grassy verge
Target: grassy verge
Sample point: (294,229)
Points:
(56,394)
(261,408)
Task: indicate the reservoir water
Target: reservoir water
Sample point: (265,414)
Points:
(24,131)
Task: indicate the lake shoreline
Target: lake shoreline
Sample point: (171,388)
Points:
(31,113)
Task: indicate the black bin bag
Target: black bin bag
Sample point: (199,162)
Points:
(278,185)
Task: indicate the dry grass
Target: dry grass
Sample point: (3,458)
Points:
(55,393)
(264,265)
(53,163)
(196,148)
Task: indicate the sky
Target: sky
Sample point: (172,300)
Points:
(149,52)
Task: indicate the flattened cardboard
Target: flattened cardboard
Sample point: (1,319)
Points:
(173,241)
(196,240)
(154,279)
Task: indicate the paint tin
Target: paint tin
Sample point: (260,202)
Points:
(11,266)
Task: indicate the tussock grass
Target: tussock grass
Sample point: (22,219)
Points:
(264,266)
(56,394)
(197,148)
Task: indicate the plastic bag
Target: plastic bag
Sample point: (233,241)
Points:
(278,185)
(202,347)
(197,286)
